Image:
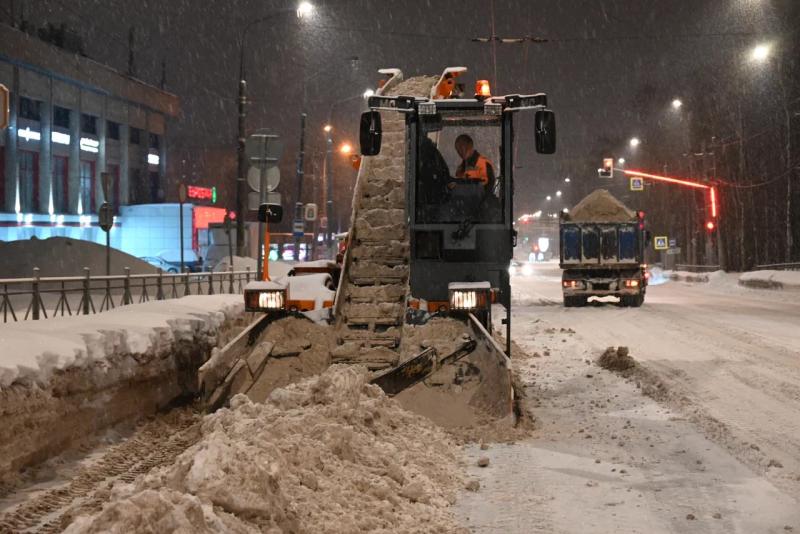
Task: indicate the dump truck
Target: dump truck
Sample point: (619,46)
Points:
(430,236)
(602,245)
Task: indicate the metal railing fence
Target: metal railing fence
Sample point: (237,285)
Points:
(48,297)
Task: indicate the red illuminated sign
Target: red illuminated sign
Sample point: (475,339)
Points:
(200,193)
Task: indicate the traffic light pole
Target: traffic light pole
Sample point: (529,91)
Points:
(241,172)
(329,187)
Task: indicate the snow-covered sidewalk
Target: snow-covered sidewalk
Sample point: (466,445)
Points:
(32,350)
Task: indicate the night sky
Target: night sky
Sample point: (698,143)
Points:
(607,66)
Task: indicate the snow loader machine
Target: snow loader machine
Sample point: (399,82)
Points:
(425,243)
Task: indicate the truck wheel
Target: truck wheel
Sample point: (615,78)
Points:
(637,300)
(571,302)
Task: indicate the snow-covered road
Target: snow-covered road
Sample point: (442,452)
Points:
(732,352)
(716,450)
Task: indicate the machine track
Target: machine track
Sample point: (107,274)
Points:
(371,301)
(155,443)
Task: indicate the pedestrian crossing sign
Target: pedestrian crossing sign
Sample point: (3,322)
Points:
(637,184)
(661,243)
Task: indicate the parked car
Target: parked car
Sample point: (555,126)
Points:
(161,263)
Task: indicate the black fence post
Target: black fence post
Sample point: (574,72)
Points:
(35,303)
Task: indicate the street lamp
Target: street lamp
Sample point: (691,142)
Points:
(621,161)
(567,180)
(305,9)
(634,142)
(760,53)
(558,193)
(328,128)
(677,104)
(346,149)
(549,198)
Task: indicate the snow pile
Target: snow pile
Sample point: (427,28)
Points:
(316,287)
(61,256)
(330,454)
(240,263)
(771,279)
(34,350)
(601,206)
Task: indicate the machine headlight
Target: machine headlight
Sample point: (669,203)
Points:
(264,297)
(470,296)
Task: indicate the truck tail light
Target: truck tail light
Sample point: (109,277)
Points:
(631,283)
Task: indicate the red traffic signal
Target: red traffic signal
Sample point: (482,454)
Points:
(710,226)
(640,216)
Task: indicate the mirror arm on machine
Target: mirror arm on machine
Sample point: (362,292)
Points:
(370,133)
(545,124)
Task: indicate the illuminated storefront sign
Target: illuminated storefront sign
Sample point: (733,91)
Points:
(202,193)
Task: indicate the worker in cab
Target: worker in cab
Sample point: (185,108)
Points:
(473,165)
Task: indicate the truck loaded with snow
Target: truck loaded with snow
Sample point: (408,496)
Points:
(602,244)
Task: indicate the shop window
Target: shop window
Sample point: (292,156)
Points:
(61,184)
(87,187)
(30,109)
(112,130)
(88,124)
(60,117)
(28,181)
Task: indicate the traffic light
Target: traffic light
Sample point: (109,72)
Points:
(710,226)
(608,168)
(640,217)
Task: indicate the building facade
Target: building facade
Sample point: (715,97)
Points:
(72,119)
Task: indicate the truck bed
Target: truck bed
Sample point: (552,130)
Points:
(587,245)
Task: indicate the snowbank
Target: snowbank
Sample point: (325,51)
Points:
(771,279)
(62,380)
(33,350)
(330,454)
(61,256)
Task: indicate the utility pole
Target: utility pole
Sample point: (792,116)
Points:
(329,186)
(241,171)
(298,206)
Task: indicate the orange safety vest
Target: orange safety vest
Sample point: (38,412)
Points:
(478,171)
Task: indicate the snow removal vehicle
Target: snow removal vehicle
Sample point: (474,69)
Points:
(431,233)
(602,246)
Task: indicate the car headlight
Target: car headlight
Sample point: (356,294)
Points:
(527,270)
(264,296)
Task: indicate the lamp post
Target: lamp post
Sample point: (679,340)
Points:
(304,10)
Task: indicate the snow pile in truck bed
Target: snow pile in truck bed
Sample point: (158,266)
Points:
(330,454)
(601,206)
(33,350)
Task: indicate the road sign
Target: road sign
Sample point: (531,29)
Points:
(674,251)
(4,108)
(263,148)
(105,216)
(298,228)
(254,200)
(637,184)
(310,212)
(271,213)
(254,178)
(661,242)
(182,193)
(673,242)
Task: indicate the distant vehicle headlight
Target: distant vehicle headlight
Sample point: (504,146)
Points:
(527,270)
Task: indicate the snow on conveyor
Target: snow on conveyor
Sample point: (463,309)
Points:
(32,350)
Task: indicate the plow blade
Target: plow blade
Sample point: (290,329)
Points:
(494,394)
